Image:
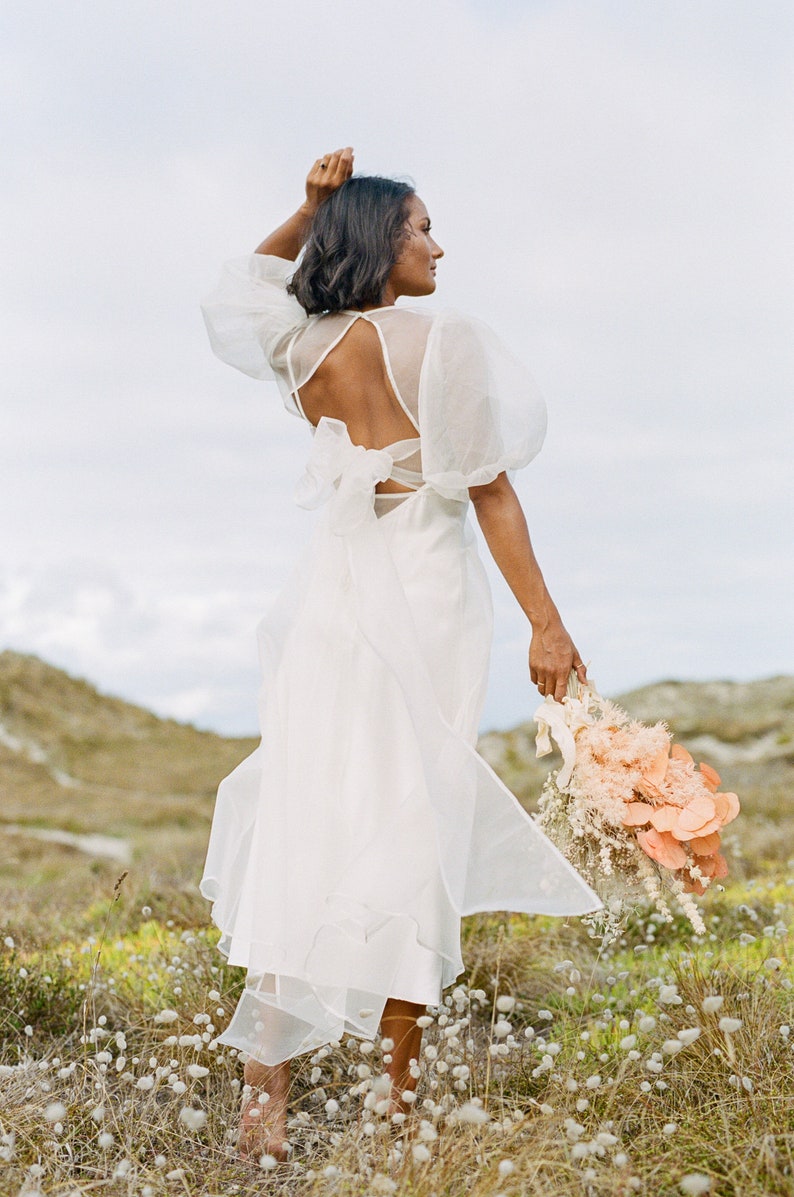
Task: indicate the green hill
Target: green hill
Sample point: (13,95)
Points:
(81,763)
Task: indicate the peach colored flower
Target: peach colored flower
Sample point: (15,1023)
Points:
(698,817)
(727,807)
(664,817)
(637,814)
(705,845)
(662,847)
(710,776)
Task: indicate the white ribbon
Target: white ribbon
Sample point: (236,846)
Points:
(343,474)
(560,721)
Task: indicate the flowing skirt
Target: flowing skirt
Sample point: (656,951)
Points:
(346,848)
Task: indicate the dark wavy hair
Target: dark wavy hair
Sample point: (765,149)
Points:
(355,239)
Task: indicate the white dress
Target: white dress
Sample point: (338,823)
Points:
(346,848)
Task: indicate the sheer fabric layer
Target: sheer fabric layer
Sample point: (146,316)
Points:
(345,850)
(478,408)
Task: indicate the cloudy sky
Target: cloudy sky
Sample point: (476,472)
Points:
(612,183)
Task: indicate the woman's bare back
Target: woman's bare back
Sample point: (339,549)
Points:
(352,384)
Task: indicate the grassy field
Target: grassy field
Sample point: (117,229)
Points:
(662,1065)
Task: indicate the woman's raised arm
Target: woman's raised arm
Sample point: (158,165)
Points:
(552,653)
(328,173)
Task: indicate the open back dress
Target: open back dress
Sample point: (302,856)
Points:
(346,848)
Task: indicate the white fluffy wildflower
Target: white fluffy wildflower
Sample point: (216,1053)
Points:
(668,996)
(105,1140)
(573,1129)
(192,1119)
(145,1083)
(694,1184)
(197,1071)
(420,1153)
(505,1003)
(689,1035)
(55,1111)
(646,1024)
(728,1026)
(472,1113)
(166,1016)
(712,1003)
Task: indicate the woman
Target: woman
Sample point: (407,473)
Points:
(346,848)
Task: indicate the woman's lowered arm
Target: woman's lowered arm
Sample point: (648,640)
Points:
(552,653)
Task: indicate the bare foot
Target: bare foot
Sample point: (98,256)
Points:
(263,1120)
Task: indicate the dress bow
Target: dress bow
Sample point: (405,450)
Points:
(342,473)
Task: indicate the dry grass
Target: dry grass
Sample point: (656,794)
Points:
(571,1103)
(583,1094)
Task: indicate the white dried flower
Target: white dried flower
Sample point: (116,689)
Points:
(166,1016)
(472,1113)
(694,1184)
(728,1026)
(55,1111)
(192,1119)
(669,996)
(197,1071)
(105,1140)
(505,1003)
(689,1035)
(711,1004)
(646,1023)
(145,1083)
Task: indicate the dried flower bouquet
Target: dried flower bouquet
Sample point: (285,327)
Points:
(629,808)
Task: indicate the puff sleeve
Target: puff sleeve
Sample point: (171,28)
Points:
(480,411)
(249,314)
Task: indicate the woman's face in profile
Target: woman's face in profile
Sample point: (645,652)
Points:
(414,272)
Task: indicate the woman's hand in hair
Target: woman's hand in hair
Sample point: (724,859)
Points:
(328,173)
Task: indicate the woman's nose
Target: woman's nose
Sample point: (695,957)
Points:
(437,251)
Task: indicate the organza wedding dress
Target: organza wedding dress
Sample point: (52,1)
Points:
(346,848)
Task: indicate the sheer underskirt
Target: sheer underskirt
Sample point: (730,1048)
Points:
(346,848)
